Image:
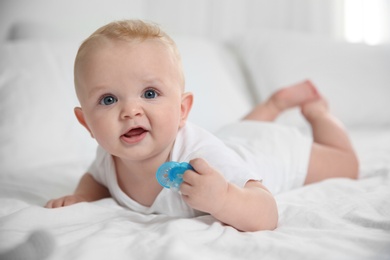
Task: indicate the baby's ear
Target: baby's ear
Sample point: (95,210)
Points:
(80,117)
(186,105)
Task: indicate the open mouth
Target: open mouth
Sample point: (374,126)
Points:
(134,135)
(135,132)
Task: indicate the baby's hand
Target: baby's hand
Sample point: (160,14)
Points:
(204,190)
(65,201)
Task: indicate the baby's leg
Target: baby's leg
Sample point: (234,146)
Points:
(332,154)
(282,100)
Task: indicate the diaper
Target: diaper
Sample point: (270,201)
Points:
(278,154)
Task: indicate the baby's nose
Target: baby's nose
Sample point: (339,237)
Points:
(131,110)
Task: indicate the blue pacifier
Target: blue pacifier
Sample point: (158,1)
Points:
(170,174)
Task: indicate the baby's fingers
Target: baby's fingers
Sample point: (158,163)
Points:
(49,204)
(55,203)
(200,166)
(63,202)
(190,177)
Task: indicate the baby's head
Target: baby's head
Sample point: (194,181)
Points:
(132,31)
(130,84)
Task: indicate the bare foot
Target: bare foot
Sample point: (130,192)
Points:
(315,109)
(295,95)
(285,98)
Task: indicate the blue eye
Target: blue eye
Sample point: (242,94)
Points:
(150,94)
(108,100)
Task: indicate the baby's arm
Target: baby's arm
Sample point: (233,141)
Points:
(87,190)
(251,208)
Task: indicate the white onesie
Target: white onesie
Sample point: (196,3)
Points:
(234,154)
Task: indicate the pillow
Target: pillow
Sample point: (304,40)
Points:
(354,78)
(37,124)
(221,95)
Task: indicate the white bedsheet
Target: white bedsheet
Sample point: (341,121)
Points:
(334,219)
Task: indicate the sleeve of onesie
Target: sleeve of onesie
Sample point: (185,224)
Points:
(227,162)
(98,168)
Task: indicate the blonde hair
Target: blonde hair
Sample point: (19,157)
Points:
(131,31)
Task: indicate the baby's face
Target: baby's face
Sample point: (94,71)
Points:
(131,96)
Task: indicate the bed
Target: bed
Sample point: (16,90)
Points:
(44,151)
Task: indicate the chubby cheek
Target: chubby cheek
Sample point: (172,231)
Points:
(99,128)
(165,120)
(173,114)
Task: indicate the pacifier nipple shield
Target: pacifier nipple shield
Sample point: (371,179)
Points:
(170,174)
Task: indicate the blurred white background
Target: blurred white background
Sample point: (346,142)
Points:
(353,20)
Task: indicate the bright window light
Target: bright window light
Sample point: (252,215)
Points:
(365,21)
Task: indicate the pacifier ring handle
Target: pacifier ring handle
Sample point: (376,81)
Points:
(170,174)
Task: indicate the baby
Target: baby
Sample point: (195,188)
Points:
(130,85)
